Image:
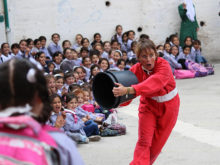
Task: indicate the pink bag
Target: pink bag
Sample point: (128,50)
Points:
(24,141)
(182,74)
(88,107)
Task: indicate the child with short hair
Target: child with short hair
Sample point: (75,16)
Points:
(114,45)
(68,63)
(86,64)
(36,48)
(54,45)
(57,59)
(121,64)
(131,54)
(186,54)
(196,51)
(85,126)
(84,52)
(15,49)
(94,56)
(43,41)
(76,59)
(68,79)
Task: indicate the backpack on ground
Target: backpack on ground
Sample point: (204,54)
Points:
(200,70)
(183,74)
(121,128)
(24,141)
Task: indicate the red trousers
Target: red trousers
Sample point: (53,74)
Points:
(155,125)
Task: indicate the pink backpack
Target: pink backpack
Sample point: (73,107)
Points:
(182,74)
(24,141)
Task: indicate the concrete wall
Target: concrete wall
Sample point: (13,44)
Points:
(157,18)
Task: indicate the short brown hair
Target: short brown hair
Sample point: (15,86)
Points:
(144,44)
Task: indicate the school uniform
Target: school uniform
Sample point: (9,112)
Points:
(78,62)
(190,57)
(131,55)
(52,48)
(105,55)
(57,66)
(46,52)
(118,38)
(124,46)
(87,73)
(198,56)
(77,47)
(172,61)
(158,110)
(67,65)
(5,58)
(129,45)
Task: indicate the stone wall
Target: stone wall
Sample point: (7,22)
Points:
(157,18)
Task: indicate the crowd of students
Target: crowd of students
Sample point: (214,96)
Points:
(70,68)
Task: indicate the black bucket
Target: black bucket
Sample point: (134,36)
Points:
(103,84)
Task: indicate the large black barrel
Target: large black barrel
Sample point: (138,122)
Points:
(103,84)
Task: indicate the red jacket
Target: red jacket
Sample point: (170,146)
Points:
(159,82)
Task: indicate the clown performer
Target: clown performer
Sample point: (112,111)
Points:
(159,102)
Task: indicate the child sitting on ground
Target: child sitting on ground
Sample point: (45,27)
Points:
(196,51)
(59,81)
(73,126)
(84,125)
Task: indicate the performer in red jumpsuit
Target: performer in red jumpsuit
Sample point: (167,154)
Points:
(159,102)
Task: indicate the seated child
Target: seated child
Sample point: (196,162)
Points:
(59,81)
(69,79)
(172,58)
(82,125)
(186,54)
(196,51)
(73,126)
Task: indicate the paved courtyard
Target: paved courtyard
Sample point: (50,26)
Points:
(194,141)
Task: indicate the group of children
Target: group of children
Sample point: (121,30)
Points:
(69,71)
(177,55)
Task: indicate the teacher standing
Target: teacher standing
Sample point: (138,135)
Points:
(159,102)
(189,24)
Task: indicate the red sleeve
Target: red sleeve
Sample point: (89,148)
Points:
(156,81)
(126,103)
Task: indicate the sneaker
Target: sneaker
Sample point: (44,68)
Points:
(94,138)
(84,140)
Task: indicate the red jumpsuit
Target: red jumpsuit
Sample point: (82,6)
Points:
(157,115)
